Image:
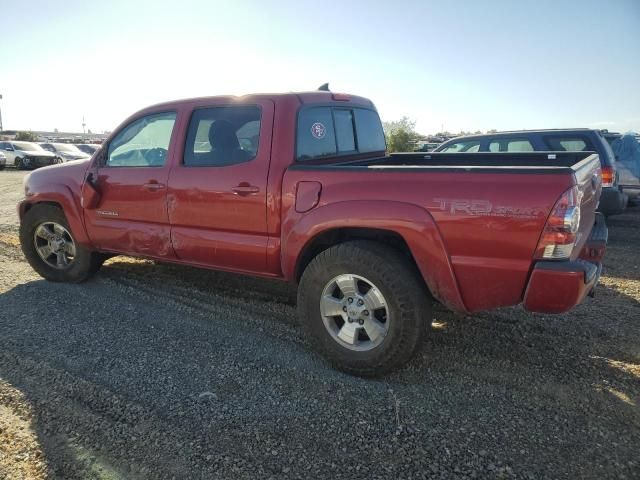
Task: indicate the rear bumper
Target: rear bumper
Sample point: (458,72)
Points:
(631,191)
(612,201)
(557,287)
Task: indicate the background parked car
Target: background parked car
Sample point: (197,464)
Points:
(66,151)
(27,155)
(627,152)
(88,148)
(3,161)
(612,201)
(427,147)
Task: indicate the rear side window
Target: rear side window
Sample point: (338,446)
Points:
(333,131)
(568,144)
(510,145)
(470,146)
(222,136)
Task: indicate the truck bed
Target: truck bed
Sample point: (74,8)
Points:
(546,162)
(489,209)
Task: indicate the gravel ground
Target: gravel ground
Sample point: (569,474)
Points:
(157,371)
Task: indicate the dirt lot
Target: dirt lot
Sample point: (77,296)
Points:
(157,371)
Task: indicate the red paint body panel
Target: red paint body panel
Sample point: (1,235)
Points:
(490,256)
(61,186)
(472,234)
(413,223)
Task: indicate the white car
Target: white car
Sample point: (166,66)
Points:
(27,155)
(66,151)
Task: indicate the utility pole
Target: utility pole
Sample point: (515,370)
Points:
(1,116)
(83,125)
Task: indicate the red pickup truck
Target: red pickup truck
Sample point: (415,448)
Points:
(298,187)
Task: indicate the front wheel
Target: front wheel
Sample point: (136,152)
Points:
(51,249)
(365,307)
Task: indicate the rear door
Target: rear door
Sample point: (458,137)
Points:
(131,216)
(218,187)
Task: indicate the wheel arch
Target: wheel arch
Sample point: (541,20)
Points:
(59,196)
(406,227)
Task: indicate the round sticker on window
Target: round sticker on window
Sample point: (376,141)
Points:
(318,130)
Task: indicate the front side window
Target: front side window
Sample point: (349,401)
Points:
(470,146)
(222,136)
(328,131)
(510,145)
(142,143)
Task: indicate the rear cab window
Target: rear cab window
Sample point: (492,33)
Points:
(329,131)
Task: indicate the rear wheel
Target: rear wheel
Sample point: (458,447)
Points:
(19,163)
(51,249)
(365,307)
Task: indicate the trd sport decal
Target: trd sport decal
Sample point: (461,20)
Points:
(484,208)
(318,130)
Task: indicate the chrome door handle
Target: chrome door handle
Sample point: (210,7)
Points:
(153,186)
(245,189)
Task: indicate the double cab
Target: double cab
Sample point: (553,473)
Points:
(298,187)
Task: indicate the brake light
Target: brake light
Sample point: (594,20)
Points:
(560,232)
(341,97)
(608,176)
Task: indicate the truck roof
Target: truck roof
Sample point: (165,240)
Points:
(302,97)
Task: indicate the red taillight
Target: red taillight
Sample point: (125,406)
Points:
(559,234)
(608,176)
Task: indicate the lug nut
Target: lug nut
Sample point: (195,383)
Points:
(360,302)
(361,322)
(366,313)
(350,300)
(344,309)
(350,320)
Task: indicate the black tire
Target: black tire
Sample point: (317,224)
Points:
(18,163)
(85,262)
(408,301)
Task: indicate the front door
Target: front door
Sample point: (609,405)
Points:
(218,188)
(131,214)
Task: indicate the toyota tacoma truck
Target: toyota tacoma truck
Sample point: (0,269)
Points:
(298,187)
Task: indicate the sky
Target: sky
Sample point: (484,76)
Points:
(452,65)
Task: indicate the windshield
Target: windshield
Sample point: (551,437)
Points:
(27,147)
(65,147)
